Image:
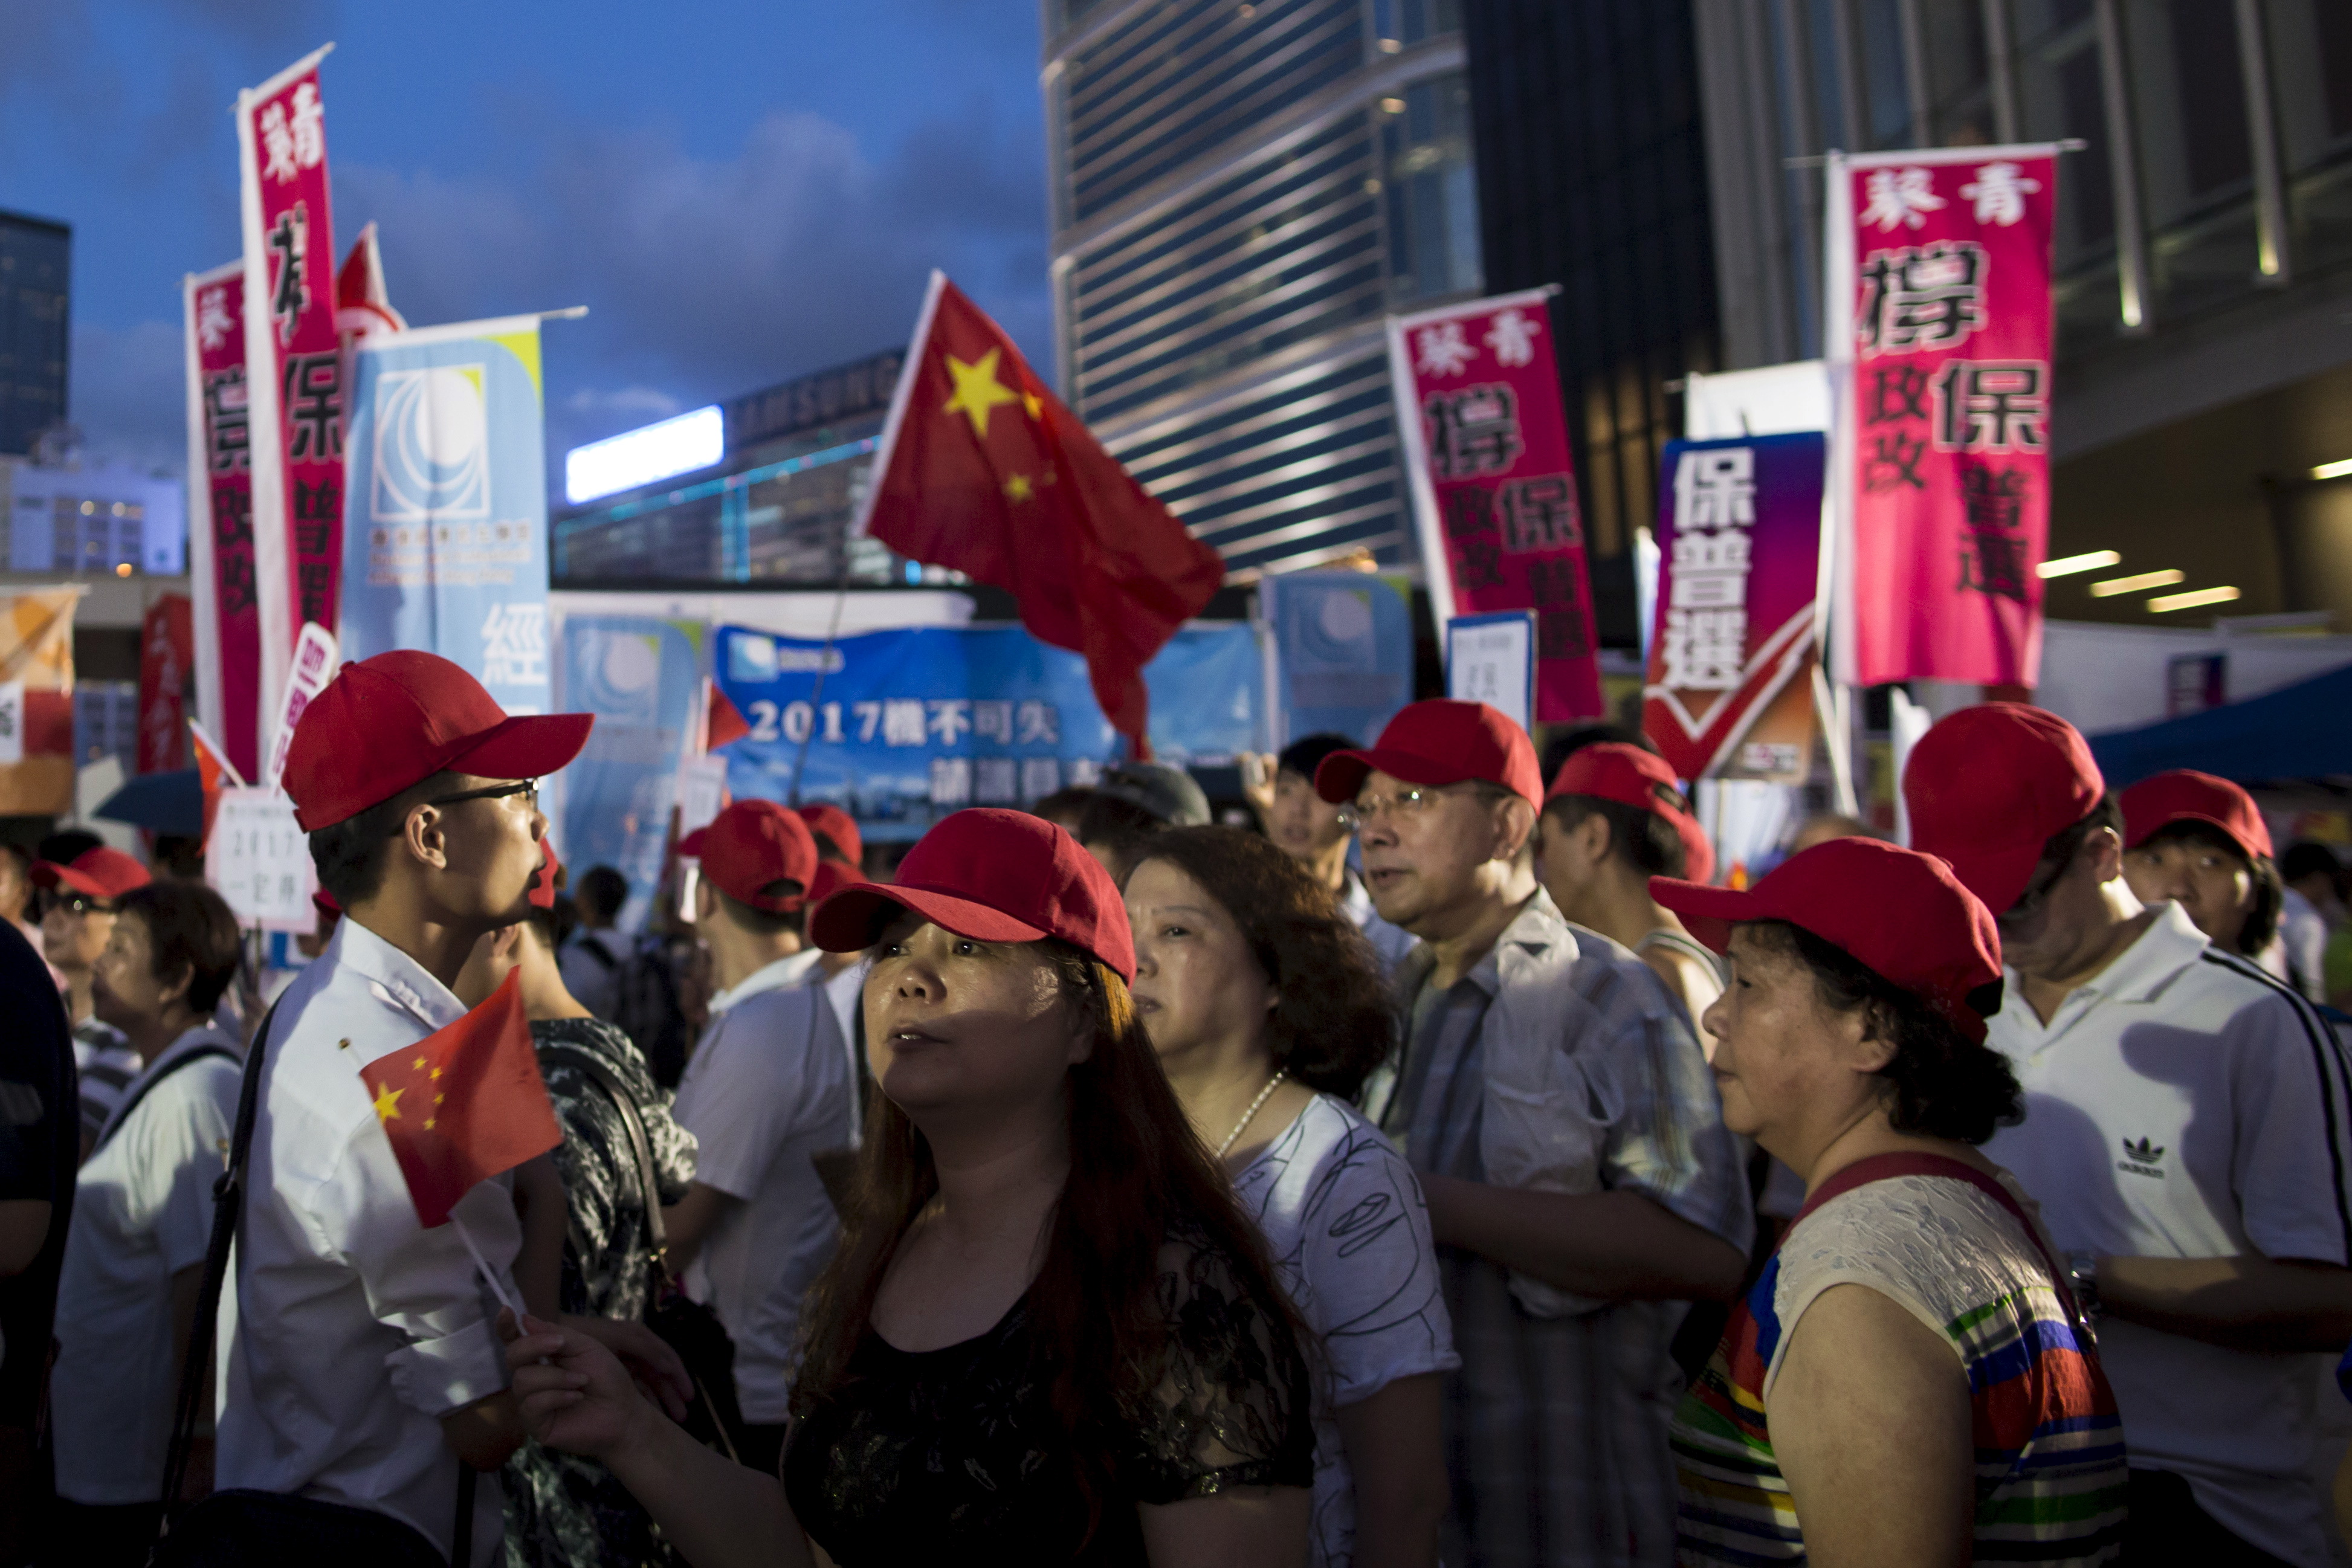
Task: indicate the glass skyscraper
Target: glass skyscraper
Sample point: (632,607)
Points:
(1240,192)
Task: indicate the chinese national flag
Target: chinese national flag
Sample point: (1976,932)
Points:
(464,1103)
(988,474)
(214,770)
(722,722)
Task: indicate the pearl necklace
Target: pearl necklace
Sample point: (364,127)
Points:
(1250,1115)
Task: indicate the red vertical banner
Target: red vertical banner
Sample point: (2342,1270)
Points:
(226,630)
(166,660)
(295,362)
(1938,282)
(1493,483)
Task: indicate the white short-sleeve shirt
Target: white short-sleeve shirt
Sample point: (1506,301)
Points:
(768,1087)
(356,1328)
(142,1212)
(2184,1104)
(1343,1215)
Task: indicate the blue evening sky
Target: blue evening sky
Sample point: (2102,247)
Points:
(740,192)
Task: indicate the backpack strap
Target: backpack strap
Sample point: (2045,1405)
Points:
(228,1209)
(123,1116)
(601,1073)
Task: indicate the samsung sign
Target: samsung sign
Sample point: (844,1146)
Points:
(646,456)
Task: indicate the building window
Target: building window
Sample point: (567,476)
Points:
(2311,70)
(1415,21)
(1433,196)
(1959,78)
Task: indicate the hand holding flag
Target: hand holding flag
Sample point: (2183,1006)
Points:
(464,1103)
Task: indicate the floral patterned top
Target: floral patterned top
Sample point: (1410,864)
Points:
(956,1454)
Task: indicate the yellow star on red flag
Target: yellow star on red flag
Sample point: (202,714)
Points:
(977,389)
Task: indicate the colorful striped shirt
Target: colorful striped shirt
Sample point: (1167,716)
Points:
(1938,1237)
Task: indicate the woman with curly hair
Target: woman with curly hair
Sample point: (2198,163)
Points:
(1910,1380)
(1049,1335)
(1267,1009)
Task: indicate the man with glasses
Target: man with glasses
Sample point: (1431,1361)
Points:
(1582,1186)
(2185,1132)
(76,901)
(365,1366)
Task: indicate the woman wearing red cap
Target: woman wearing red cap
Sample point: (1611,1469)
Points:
(1049,1334)
(2201,842)
(1910,1380)
(1268,1009)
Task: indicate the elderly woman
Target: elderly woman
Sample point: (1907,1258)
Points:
(1910,1380)
(1050,1335)
(1267,1010)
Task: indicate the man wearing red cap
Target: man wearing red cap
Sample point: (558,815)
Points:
(2185,1132)
(841,976)
(1582,1186)
(78,889)
(768,1086)
(364,1351)
(1614,818)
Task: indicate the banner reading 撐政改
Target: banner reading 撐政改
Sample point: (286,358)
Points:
(1938,296)
(293,358)
(221,575)
(1494,486)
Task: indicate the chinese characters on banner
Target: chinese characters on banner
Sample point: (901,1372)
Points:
(294,359)
(1727,691)
(166,650)
(1494,487)
(220,515)
(447,545)
(1939,269)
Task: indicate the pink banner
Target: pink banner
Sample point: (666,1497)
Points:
(1941,269)
(297,406)
(1494,486)
(220,515)
(167,651)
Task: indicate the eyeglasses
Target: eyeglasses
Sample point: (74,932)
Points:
(1406,803)
(76,903)
(526,788)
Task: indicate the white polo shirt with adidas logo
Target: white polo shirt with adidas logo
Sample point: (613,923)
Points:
(2183,1104)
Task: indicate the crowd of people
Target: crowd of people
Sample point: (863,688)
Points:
(1433,1166)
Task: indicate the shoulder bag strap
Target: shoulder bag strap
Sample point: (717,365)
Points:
(228,1209)
(610,1082)
(123,1116)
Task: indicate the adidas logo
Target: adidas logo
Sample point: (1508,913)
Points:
(2142,1157)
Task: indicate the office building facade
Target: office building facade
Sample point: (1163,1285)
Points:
(2201,425)
(35,321)
(774,511)
(1240,193)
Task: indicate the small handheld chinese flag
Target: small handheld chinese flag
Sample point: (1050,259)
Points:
(464,1103)
(722,721)
(985,471)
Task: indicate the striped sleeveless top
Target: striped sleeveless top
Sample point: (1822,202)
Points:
(1953,1246)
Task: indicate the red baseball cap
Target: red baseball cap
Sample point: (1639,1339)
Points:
(1614,770)
(1902,914)
(750,845)
(99,872)
(543,887)
(1439,741)
(837,825)
(324,902)
(994,876)
(2185,795)
(389,721)
(1989,786)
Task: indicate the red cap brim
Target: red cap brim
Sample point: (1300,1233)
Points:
(692,844)
(528,746)
(1708,912)
(46,874)
(1343,773)
(2228,831)
(852,917)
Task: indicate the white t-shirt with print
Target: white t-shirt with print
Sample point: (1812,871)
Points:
(1343,1215)
(2183,1104)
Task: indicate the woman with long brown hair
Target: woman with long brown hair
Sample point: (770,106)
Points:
(1268,1009)
(1050,1335)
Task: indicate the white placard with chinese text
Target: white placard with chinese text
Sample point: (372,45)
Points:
(1491,659)
(258,859)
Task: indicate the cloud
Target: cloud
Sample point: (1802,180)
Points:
(706,278)
(126,395)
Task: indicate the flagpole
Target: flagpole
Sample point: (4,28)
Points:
(487,1273)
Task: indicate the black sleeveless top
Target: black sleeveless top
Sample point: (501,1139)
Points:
(955,1455)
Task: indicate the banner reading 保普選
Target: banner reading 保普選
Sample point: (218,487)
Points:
(293,357)
(446,548)
(1727,690)
(1938,293)
(1494,486)
(221,576)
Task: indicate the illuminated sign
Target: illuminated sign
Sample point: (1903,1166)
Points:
(645,456)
